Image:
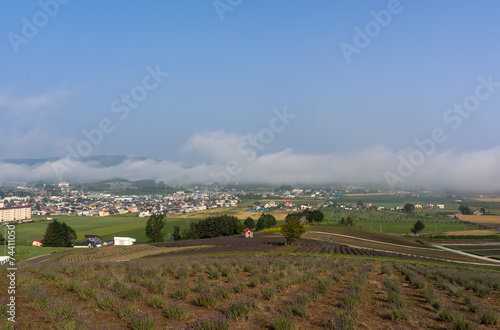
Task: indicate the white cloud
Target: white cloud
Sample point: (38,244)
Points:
(216,146)
(16,104)
(477,171)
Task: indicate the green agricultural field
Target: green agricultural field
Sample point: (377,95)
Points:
(395,200)
(404,227)
(106,227)
(384,216)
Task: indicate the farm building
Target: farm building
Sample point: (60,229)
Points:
(83,245)
(94,239)
(440,206)
(124,241)
(248,233)
(4,259)
(37,242)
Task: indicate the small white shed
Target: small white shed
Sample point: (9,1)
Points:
(124,240)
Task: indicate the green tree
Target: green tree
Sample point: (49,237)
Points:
(267,220)
(315,216)
(294,215)
(59,234)
(177,233)
(260,224)
(464,209)
(249,223)
(292,230)
(155,224)
(222,225)
(348,222)
(483,210)
(191,232)
(409,208)
(418,227)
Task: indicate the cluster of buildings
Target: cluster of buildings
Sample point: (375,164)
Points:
(287,206)
(370,206)
(23,209)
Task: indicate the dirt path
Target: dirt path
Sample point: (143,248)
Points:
(435,248)
(468,254)
(370,240)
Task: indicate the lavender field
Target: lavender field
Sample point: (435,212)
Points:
(260,291)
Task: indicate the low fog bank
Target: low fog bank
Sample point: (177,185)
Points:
(477,171)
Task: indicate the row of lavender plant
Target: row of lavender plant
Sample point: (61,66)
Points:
(349,300)
(480,282)
(394,294)
(441,275)
(240,308)
(207,295)
(113,285)
(446,312)
(299,304)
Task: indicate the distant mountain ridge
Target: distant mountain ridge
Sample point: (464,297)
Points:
(100,161)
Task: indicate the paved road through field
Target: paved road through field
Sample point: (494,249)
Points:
(303,220)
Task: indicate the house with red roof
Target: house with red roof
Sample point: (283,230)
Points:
(248,233)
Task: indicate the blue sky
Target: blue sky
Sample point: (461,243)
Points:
(225,77)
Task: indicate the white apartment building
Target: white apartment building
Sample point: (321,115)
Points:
(15,213)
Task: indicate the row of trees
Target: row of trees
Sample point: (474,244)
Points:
(265,221)
(215,226)
(348,222)
(315,216)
